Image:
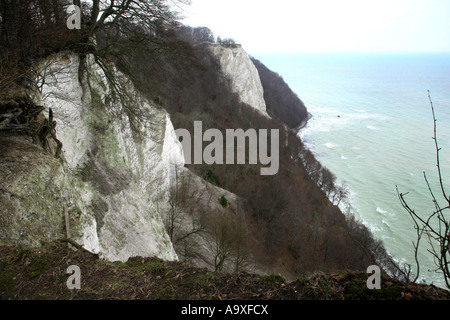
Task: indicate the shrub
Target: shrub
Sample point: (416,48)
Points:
(223,201)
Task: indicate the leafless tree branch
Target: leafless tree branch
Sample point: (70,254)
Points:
(436,226)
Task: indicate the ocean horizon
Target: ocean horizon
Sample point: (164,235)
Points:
(372,126)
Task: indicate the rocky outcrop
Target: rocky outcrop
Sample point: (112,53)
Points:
(244,77)
(119,163)
(120,152)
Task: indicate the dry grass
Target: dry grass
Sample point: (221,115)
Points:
(40,274)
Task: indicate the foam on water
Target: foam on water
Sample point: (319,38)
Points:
(331,145)
(375,140)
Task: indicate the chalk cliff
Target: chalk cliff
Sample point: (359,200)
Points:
(120,153)
(239,68)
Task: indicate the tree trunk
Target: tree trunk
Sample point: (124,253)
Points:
(95,11)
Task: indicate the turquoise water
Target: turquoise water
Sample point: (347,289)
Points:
(372,126)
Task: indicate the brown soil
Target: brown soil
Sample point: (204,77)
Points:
(40,274)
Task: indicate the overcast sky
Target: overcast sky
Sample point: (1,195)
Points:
(264,26)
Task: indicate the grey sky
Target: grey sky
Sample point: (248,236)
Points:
(263,26)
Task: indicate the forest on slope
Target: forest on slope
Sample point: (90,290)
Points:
(290,216)
(292,224)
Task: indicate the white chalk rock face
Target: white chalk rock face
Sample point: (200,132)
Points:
(239,68)
(124,151)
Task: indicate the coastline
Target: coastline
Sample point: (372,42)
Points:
(303,124)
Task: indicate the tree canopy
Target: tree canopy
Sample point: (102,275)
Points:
(30,29)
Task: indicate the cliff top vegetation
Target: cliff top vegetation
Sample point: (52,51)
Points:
(30,274)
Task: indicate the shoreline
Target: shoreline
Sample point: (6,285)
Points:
(303,124)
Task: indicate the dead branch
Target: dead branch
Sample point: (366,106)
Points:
(436,226)
(76,245)
(21,115)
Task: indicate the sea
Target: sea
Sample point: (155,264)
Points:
(372,126)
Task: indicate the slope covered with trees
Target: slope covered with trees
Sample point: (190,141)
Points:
(291,221)
(282,103)
(291,224)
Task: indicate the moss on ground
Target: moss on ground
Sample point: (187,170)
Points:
(40,273)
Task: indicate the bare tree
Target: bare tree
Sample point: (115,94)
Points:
(436,226)
(226,42)
(221,230)
(223,241)
(327,181)
(195,36)
(180,206)
(339,194)
(150,15)
(29,29)
(227,241)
